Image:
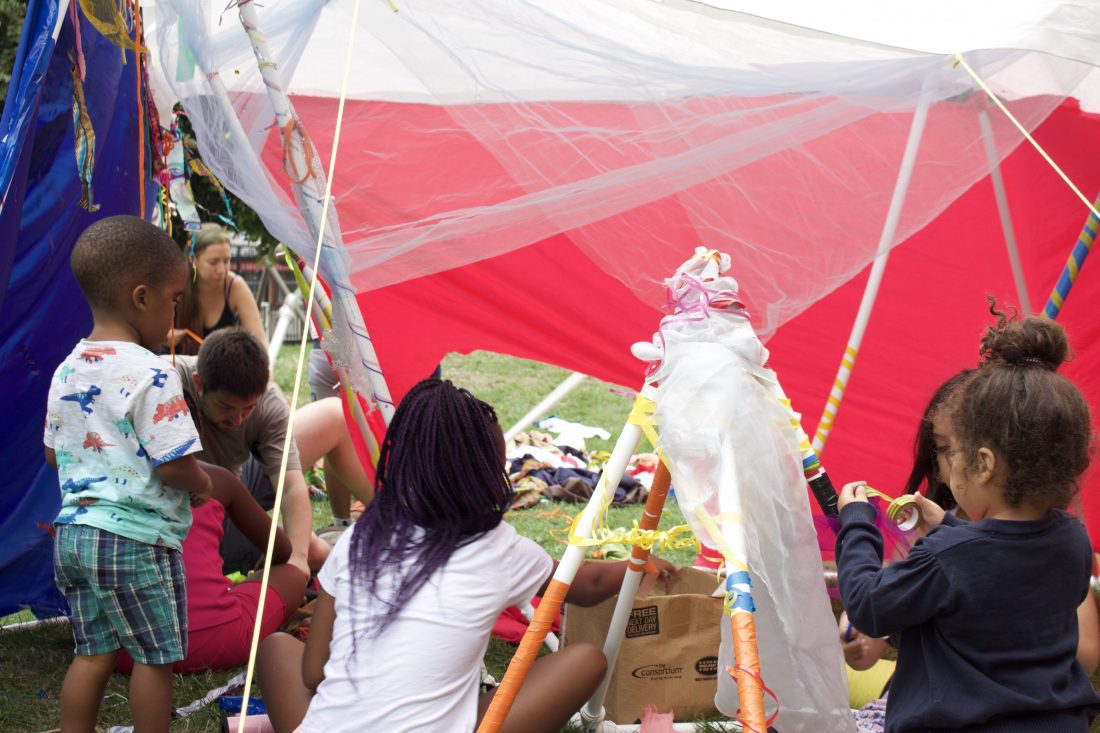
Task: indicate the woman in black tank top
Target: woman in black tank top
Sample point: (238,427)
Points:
(215,297)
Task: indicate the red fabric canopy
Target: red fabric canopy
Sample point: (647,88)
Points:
(551,303)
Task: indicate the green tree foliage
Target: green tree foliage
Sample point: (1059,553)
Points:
(11,26)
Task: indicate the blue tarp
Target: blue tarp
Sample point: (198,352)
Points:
(42,313)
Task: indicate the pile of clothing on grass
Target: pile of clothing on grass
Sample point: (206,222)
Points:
(556,466)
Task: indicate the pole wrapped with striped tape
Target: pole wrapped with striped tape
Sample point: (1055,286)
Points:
(1076,261)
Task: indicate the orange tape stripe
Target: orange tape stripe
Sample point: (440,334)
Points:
(651,515)
(524,657)
(750,687)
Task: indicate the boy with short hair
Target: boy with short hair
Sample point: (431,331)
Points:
(120,435)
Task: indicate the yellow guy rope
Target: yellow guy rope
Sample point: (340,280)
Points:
(959,60)
(298,372)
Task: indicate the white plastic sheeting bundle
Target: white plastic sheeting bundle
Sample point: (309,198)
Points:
(735,461)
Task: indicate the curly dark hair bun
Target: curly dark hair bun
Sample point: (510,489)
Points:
(1034,419)
(1029,342)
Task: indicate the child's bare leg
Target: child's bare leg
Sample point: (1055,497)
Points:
(556,687)
(279,669)
(82,691)
(151,697)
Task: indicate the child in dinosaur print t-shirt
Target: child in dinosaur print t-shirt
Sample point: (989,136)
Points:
(116,412)
(119,434)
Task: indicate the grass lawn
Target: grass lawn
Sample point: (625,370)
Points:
(33,661)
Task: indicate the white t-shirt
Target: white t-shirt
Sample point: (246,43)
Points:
(114,413)
(422,672)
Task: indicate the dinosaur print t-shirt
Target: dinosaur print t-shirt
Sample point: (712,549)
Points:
(116,412)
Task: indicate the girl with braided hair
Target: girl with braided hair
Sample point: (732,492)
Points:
(409,596)
(987,608)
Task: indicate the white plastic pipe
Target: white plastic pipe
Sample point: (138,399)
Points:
(612,473)
(573,556)
(593,710)
(557,395)
(870,292)
(1004,212)
(288,312)
(35,623)
(733,536)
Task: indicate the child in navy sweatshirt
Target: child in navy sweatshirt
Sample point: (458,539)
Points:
(986,609)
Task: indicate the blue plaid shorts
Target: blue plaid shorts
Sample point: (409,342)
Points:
(123,594)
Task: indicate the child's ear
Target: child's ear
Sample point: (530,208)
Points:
(987,465)
(139,297)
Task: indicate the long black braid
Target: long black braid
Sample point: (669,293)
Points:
(440,485)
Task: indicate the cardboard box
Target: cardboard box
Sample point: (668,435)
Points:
(669,657)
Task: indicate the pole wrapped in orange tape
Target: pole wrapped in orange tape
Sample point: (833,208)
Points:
(651,515)
(750,686)
(524,657)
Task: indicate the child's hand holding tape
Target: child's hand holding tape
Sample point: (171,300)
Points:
(908,510)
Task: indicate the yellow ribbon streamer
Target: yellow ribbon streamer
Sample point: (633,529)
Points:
(711,527)
(679,537)
(642,416)
(674,538)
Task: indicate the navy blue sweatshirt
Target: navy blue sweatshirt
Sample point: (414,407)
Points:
(987,613)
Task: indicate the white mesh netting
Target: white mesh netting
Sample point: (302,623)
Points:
(637,129)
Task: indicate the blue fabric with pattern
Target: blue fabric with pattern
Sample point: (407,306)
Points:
(42,313)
